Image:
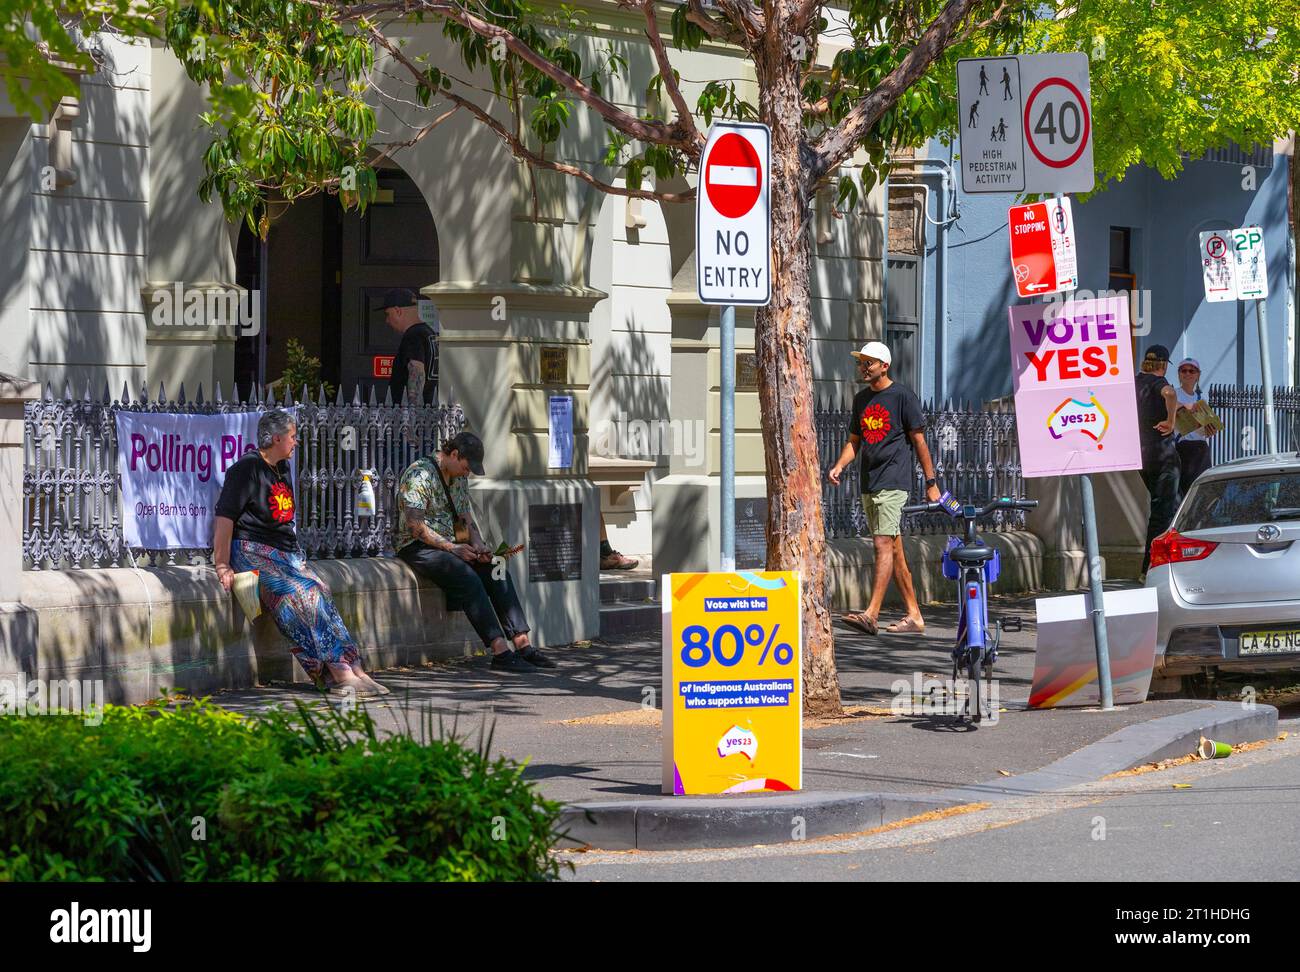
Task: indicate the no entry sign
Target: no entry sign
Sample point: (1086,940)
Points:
(732,217)
(1043,255)
(1026,124)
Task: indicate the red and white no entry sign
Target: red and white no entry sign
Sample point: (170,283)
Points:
(734,177)
(1057,122)
(733,233)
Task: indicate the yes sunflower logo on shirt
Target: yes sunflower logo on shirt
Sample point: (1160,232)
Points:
(280,502)
(875,423)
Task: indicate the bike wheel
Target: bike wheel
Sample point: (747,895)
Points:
(973,665)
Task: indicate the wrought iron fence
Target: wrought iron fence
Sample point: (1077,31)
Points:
(976,458)
(71,484)
(1242,412)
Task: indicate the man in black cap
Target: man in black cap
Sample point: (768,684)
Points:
(431,497)
(415,368)
(1157,403)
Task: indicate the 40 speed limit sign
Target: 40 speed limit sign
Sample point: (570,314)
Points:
(1026,124)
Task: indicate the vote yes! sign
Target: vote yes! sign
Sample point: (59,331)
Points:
(733,247)
(1072,370)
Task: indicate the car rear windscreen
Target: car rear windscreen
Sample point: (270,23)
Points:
(1241,501)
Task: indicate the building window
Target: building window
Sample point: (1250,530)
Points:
(1123,277)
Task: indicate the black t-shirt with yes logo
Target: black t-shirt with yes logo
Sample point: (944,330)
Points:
(260,501)
(883,419)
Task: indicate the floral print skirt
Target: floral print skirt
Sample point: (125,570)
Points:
(300,603)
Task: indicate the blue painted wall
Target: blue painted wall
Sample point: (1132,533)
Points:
(1166,217)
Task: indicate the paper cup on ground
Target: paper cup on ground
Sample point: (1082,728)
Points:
(244,588)
(1214,750)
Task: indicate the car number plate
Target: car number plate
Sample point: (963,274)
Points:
(1269,642)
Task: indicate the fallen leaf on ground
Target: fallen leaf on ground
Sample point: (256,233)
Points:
(1182,786)
(1003,773)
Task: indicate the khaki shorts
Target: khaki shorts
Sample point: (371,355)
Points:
(884,511)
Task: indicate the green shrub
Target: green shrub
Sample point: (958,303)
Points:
(286,796)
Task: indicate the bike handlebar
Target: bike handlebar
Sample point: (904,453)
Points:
(1001,503)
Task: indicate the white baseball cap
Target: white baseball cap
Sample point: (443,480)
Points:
(874,349)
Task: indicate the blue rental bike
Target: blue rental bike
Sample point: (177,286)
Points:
(974,565)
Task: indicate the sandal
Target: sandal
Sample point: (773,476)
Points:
(617,561)
(906,626)
(861,622)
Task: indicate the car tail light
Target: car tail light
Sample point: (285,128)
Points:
(1171,547)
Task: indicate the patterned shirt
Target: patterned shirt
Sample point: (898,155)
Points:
(420,490)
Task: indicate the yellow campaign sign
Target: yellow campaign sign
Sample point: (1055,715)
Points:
(732,678)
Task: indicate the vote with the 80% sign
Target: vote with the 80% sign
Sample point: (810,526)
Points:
(698,648)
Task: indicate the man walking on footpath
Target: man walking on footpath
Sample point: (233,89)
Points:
(887,418)
(1157,404)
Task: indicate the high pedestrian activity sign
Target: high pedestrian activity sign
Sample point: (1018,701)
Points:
(1025,123)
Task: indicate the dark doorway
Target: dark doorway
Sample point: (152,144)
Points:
(324,273)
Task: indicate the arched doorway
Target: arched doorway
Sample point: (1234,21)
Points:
(324,273)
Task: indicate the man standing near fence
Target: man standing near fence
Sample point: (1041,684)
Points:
(414,381)
(889,427)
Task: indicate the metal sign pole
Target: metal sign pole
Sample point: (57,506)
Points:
(728,392)
(1099,636)
(1093,550)
(1261,321)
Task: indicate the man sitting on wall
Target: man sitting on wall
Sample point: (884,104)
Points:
(433,502)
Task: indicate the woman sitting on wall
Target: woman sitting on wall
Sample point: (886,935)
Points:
(254,530)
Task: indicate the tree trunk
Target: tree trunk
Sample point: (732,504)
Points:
(796,536)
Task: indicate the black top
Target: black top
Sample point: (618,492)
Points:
(883,419)
(1156,448)
(260,501)
(419,343)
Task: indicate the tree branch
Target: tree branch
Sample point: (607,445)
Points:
(516,145)
(640,129)
(686,121)
(746,17)
(716,29)
(804,14)
(837,146)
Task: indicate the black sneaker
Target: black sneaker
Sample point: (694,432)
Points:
(510,661)
(535,657)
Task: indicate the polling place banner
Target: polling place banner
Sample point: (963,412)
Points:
(172,467)
(1072,370)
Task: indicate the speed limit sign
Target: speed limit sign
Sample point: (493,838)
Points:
(1026,123)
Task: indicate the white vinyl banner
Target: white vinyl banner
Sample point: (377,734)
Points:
(172,467)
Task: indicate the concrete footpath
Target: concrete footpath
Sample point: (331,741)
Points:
(589,731)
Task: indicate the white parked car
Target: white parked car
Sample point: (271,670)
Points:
(1227,573)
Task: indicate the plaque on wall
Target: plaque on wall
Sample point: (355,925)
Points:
(555,365)
(555,542)
(746,370)
(751,533)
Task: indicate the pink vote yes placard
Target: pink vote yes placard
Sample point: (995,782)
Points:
(1072,371)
